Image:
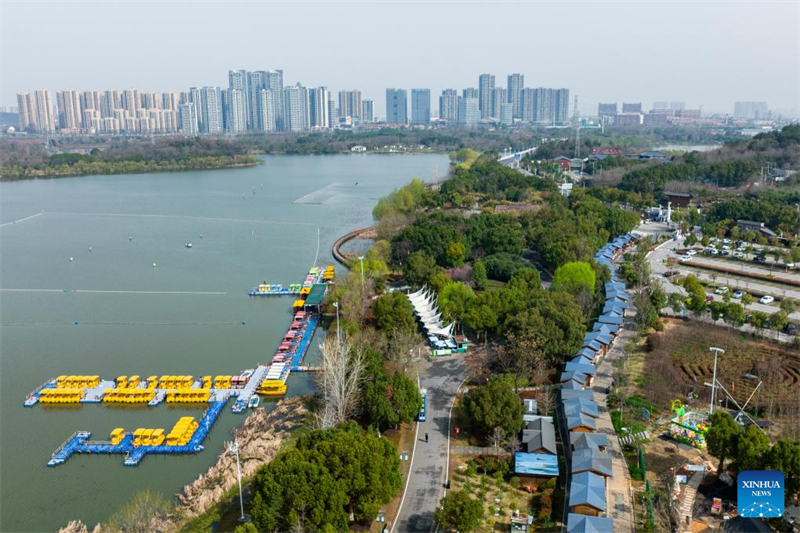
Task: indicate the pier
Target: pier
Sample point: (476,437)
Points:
(152,391)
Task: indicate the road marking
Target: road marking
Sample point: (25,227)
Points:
(410,469)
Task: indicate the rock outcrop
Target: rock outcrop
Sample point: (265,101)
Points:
(259,438)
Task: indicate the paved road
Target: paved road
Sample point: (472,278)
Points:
(427,477)
(656,259)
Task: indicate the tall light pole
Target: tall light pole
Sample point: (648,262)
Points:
(361,258)
(716,351)
(235,450)
(338,336)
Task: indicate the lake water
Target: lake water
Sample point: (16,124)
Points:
(254,229)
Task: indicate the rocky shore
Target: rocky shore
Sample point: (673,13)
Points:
(260,439)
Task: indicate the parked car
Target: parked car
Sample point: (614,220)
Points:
(767,299)
(721,290)
(789,265)
(685,258)
(791,329)
(738,255)
(738,294)
(709,298)
(691,252)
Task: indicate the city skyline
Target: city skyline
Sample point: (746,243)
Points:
(741,70)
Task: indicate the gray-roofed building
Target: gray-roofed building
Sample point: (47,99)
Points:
(571,385)
(589,370)
(588,441)
(610,319)
(584,406)
(578,523)
(580,422)
(577,377)
(566,394)
(591,460)
(587,494)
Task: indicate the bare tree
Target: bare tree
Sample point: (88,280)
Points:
(497,439)
(545,401)
(339,382)
(145,513)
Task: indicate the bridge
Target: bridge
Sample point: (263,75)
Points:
(512,159)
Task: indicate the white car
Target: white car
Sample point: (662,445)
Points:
(767,299)
(721,290)
(738,294)
(738,255)
(789,265)
(693,252)
(685,258)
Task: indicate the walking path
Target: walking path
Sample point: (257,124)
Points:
(427,478)
(687,504)
(618,487)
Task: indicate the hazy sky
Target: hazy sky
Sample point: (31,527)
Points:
(708,54)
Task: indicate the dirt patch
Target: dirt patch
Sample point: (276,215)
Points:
(679,362)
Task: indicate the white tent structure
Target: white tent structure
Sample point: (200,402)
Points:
(425,308)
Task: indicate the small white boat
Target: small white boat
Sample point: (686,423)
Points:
(188,245)
(254,401)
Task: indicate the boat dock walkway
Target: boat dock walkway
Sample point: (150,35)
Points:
(181,389)
(79,443)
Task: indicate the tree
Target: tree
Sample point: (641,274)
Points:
(393,311)
(455,300)
(723,437)
(519,354)
(339,381)
(676,302)
(419,267)
(785,456)
(456,253)
(734,314)
(494,404)
(459,512)
(576,278)
(387,400)
(327,476)
(143,514)
(751,449)
(479,277)
(779,320)
(747,299)
(788,305)
(697,295)
(247,527)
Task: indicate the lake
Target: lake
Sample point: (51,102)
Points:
(110,312)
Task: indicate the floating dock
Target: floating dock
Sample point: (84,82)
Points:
(154,390)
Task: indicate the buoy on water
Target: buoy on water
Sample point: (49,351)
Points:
(244,322)
(130,238)
(201,235)
(154,265)
(90,249)
(71,259)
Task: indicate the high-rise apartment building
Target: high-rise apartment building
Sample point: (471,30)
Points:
(499,97)
(295,108)
(561,106)
(240,81)
(677,106)
(367,111)
(660,106)
(516,82)
(632,107)
(469,92)
(485,91)
(45,111)
(70,113)
(350,104)
(318,107)
(396,106)
(333,113)
(506,114)
(235,110)
(468,112)
(265,79)
(420,107)
(187,119)
(448,106)
(267,120)
(210,113)
(606,110)
(750,110)
(27,111)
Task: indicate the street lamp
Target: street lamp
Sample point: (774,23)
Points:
(235,451)
(361,258)
(338,336)
(716,351)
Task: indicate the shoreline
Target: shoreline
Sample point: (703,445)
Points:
(260,438)
(337,254)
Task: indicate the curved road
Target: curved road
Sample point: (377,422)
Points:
(426,483)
